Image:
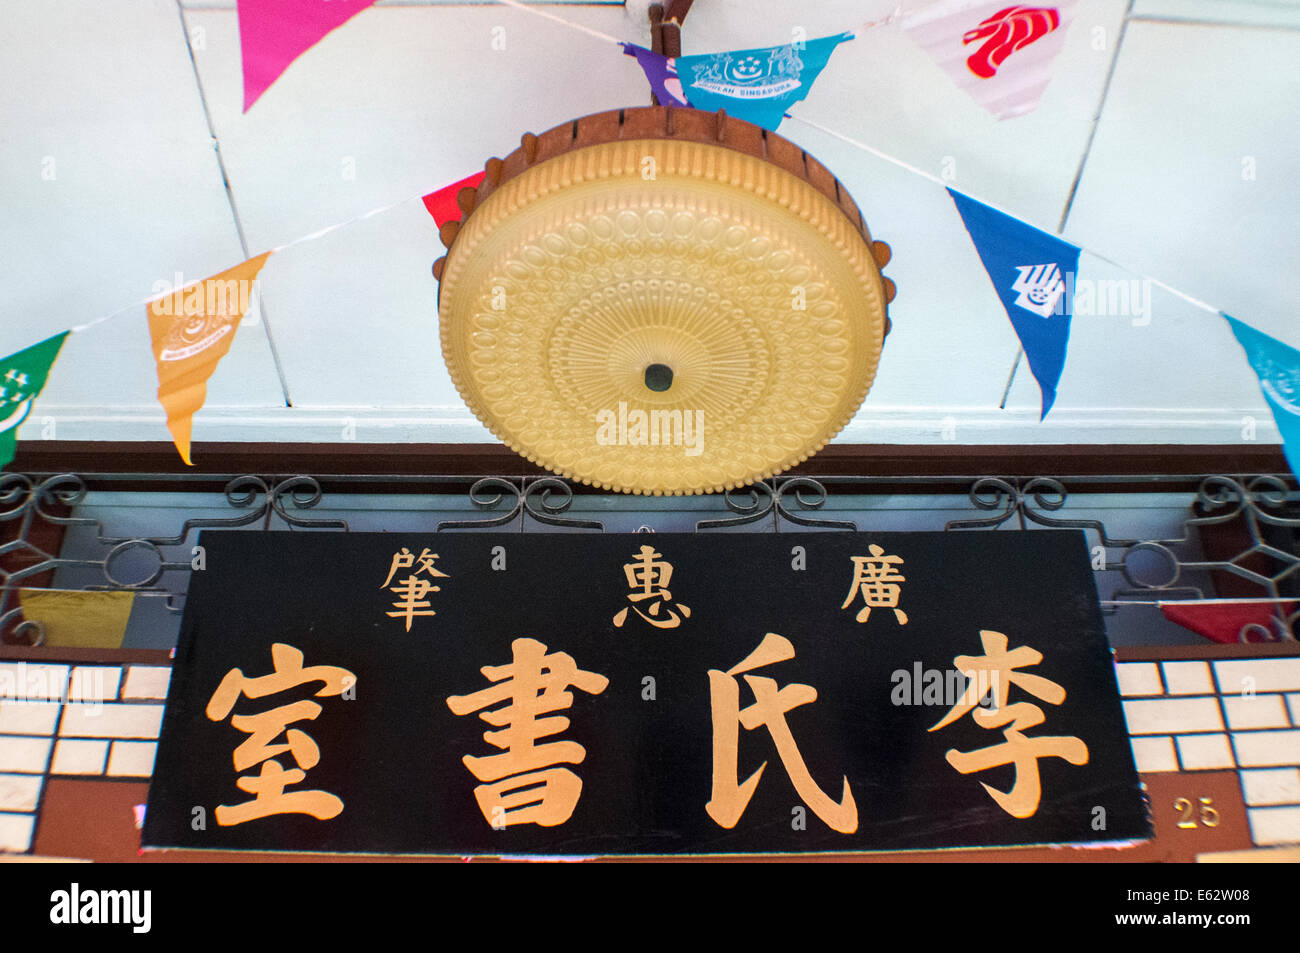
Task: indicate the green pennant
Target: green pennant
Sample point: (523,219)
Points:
(22,376)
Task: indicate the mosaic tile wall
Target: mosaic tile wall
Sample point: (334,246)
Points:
(1241,714)
(90,721)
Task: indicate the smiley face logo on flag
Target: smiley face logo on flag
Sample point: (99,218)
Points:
(22,376)
(15,416)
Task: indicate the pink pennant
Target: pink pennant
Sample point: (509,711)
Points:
(1002,55)
(274,33)
(442,203)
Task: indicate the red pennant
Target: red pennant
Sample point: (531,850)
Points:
(1223,621)
(442,204)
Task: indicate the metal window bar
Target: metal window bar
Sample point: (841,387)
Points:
(1263,511)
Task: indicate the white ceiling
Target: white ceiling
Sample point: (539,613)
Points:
(137,103)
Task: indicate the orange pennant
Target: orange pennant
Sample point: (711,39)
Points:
(192,329)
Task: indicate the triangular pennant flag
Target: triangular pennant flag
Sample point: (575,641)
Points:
(192,329)
(1032,272)
(1001,55)
(756,85)
(662,75)
(442,203)
(1226,621)
(274,33)
(22,376)
(1278,368)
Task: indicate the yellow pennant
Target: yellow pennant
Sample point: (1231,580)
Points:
(192,329)
(77,619)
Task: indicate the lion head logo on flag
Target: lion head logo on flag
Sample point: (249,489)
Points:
(1005,32)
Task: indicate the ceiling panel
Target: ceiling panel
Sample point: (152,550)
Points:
(110,184)
(398,102)
(883,90)
(1194,176)
(411,95)
(1261,13)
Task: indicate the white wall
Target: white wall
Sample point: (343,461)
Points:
(137,103)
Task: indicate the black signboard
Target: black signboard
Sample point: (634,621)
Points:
(583,695)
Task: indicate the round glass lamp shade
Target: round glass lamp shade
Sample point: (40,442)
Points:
(661,301)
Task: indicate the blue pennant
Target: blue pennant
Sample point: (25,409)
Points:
(1278,368)
(756,85)
(1032,274)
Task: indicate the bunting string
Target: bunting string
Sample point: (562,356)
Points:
(535,11)
(1002,240)
(864,147)
(596,34)
(301,240)
(1243,601)
(847,140)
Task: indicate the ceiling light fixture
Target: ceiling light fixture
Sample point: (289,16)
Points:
(661,301)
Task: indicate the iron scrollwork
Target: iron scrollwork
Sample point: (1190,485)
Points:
(1152,570)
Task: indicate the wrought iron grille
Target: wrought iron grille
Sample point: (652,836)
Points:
(1234,536)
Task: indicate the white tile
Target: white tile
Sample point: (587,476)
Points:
(27,755)
(147,681)
(1188,678)
(1138,678)
(27,681)
(94,683)
(1274,825)
(109,720)
(16,832)
(1293,702)
(1172,715)
(1154,754)
(1204,752)
(76,756)
(132,759)
(28,718)
(1271,786)
(1255,711)
(1261,749)
(19,792)
(1258,675)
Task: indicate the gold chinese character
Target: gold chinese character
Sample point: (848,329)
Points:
(730,797)
(535,683)
(995,671)
(648,577)
(413,589)
(265,728)
(877,579)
